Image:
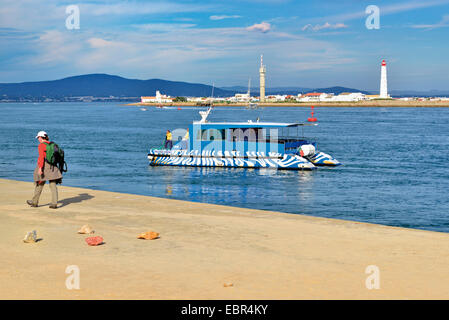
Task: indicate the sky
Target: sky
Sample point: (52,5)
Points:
(311,44)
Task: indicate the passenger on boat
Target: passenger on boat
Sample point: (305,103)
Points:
(168,140)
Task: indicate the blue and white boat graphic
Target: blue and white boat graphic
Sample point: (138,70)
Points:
(241,145)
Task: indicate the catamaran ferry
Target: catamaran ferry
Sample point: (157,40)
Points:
(241,145)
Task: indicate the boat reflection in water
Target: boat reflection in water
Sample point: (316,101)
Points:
(240,187)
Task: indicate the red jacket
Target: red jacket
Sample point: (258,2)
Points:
(42,153)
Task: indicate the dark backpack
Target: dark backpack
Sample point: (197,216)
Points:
(55,156)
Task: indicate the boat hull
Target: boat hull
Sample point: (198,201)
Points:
(228,159)
(322,159)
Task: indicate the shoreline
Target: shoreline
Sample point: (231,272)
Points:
(264,254)
(361,104)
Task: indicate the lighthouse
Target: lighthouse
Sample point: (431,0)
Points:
(383,81)
(262,71)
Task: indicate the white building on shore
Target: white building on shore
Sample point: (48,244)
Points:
(242,97)
(349,97)
(330,97)
(159,98)
(313,96)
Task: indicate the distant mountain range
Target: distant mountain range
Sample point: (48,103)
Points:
(104,85)
(294,90)
(412,93)
(268,91)
(338,90)
(110,87)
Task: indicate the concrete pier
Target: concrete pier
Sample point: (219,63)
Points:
(203,249)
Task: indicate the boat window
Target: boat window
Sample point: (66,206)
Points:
(212,134)
(245,134)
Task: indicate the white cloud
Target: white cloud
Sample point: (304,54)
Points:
(30,15)
(169,56)
(224,17)
(384,10)
(173,51)
(140,8)
(442,24)
(99,43)
(50,14)
(163,26)
(263,27)
(325,26)
(411,5)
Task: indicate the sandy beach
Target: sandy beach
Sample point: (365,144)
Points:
(202,247)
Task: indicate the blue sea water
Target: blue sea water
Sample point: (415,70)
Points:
(395,160)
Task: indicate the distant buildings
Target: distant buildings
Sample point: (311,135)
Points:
(307,97)
(241,97)
(244,98)
(350,96)
(159,98)
(330,97)
(314,96)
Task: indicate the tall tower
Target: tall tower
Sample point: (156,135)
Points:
(262,71)
(383,80)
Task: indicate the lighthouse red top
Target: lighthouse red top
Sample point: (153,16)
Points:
(384,63)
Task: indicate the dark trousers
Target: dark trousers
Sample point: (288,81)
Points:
(168,144)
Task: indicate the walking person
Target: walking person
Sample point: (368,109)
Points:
(168,140)
(45,172)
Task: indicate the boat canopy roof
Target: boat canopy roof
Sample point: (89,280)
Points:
(250,124)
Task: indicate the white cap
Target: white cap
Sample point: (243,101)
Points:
(41,134)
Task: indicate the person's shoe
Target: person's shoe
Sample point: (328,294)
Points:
(31,203)
(53,206)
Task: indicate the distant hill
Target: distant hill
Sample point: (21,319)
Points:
(411,93)
(104,85)
(338,90)
(268,91)
(294,90)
